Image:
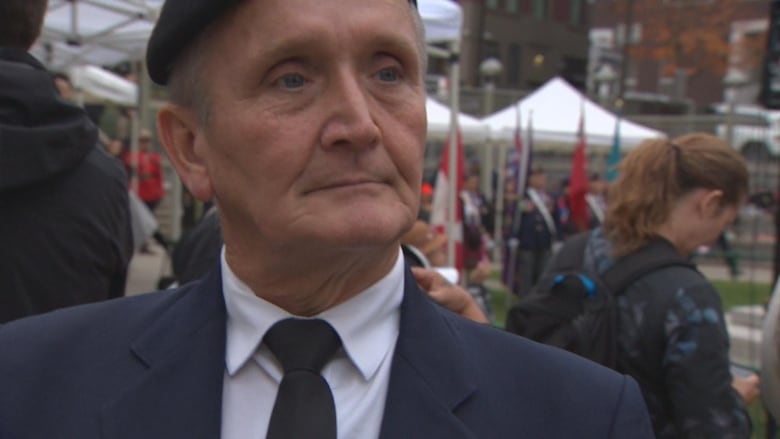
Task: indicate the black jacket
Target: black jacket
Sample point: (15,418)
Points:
(673,341)
(64,219)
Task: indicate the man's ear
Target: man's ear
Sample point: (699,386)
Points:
(179,133)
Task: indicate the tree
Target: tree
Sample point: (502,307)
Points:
(690,36)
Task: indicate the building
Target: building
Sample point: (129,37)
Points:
(677,55)
(534,40)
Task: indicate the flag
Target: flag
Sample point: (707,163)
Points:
(441,199)
(520,159)
(578,181)
(511,186)
(512,178)
(614,155)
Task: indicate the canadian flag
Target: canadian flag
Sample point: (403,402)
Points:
(440,214)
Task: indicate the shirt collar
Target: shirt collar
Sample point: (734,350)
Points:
(367,323)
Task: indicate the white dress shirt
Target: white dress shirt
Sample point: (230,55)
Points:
(358,374)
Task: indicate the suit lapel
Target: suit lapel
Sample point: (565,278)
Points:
(180,395)
(430,374)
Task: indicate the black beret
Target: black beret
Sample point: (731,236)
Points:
(180,22)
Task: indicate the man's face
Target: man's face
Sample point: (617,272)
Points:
(538,180)
(471,183)
(317,123)
(598,186)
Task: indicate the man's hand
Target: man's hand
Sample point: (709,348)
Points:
(450,296)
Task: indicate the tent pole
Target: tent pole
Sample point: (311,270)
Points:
(74,21)
(453,230)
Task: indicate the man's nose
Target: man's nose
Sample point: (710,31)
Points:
(351,113)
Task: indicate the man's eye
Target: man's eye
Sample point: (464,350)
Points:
(389,75)
(292,80)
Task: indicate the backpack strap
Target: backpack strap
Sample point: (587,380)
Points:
(572,254)
(656,255)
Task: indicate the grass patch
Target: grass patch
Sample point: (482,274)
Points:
(732,293)
(736,293)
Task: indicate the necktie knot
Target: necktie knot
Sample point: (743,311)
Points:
(302,344)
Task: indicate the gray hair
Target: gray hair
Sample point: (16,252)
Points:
(186,85)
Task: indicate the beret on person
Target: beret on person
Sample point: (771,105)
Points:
(179,24)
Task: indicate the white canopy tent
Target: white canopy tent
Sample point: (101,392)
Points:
(556,108)
(442,19)
(95,84)
(472,129)
(102,32)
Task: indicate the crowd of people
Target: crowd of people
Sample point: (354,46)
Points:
(312,299)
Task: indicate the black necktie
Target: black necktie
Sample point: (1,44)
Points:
(304,406)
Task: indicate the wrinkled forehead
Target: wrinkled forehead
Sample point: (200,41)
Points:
(179,24)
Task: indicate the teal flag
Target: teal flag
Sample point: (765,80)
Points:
(614,156)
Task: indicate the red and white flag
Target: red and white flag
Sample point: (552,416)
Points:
(440,214)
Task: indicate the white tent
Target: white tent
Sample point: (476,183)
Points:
(102,32)
(95,84)
(439,120)
(556,108)
(442,20)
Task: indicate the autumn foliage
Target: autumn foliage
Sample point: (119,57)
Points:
(690,35)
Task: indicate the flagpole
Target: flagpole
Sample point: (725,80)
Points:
(525,156)
(520,187)
(452,232)
(498,222)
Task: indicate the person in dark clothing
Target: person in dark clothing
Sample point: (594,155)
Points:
(195,254)
(64,221)
(672,333)
(535,227)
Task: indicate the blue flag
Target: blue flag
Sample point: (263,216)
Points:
(614,155)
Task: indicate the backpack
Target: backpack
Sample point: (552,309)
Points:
(576,310)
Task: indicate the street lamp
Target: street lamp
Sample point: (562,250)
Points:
(490,68)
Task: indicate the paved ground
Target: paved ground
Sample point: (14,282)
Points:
(146,269)
(756,272)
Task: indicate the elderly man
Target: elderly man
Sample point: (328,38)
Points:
(305,120)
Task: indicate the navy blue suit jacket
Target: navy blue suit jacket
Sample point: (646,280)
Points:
(151,366)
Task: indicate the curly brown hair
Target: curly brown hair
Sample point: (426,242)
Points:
(655,175)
